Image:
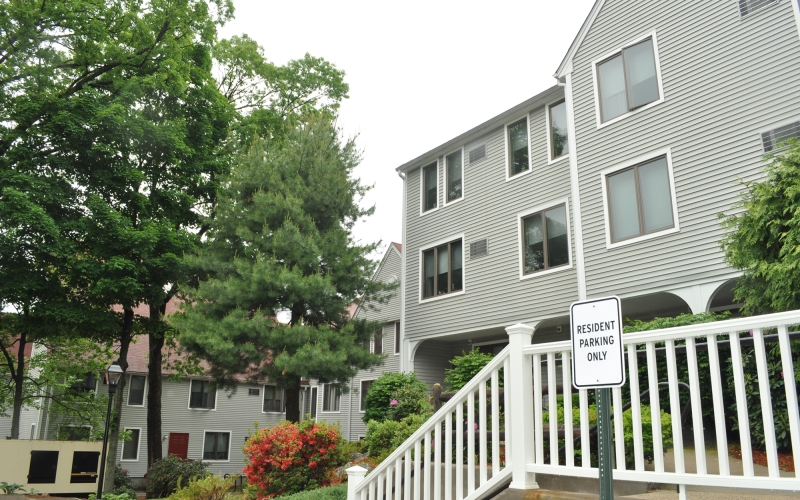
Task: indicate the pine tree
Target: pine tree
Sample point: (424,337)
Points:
(281,242)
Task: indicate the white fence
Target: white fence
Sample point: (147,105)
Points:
(419,470)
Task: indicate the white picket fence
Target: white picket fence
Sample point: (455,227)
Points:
(419,470)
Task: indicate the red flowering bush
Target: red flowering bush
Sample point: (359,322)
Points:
(290,458)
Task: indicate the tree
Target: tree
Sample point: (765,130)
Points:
(281,241)
(763,240)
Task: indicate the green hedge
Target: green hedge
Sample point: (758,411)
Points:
(331,493)
(394,396)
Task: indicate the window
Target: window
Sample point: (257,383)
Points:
(774,138)
(640,199)
(75,433)
(273,399)
(130,449)
(136,390)
(430,182)
(377,342)
(628,80)
(558,133)
(253,392)
(455,174)
(202,395)
(330,397)
(517,145)
(397,338)
(365,385)
(442,269)
(215,445)
(88,384)
(545,240)
(749,6)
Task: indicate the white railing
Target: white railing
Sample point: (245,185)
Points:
(680,346)
(433,463)
(421,470)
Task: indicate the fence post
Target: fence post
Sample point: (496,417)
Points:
(355,475)
(519,383)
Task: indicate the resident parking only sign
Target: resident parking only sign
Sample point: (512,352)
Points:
(596,332)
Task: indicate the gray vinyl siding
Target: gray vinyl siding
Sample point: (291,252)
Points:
(495,296)
(725,80)
(431,360)
(235,412)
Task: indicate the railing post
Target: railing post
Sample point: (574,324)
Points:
(519,383)
(355,475)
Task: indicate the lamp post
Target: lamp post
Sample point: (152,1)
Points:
(113,375)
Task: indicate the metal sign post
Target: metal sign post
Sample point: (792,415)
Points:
(598,362)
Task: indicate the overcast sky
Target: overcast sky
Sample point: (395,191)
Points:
(420,73)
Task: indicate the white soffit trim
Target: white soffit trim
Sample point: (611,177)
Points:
(566,64)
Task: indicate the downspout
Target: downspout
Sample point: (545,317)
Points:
(575,187)
(403,353)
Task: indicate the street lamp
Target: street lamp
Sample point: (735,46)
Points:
(113,375)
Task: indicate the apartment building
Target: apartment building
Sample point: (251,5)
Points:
(608,183)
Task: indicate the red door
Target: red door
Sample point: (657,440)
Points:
(178,444)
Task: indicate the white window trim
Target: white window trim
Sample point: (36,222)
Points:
(360,408)
(422,210)
(203,446)
(773,127)
(760,9)
(396,337)
(507,164)
(322,401)
(463,270)
(264,388)
(540,208)
(550,159)
(189,399)
(138,446)
(667,152)
(596,80)
(446,203)
(144,395)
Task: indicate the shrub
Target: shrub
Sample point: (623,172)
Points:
(384,437)
(465,367)
(123,484)
(290,458)
(395,396)
(208,488)
(113,496)
(329,493)
(163,476)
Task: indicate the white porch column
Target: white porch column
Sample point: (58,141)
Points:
(519,383)
(355,475)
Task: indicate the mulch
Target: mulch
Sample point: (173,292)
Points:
(785,459)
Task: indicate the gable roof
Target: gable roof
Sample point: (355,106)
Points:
(566,64)
(393,248)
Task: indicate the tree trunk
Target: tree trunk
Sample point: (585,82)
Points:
(292,391)
(154,448)
(116,408)
(19,380)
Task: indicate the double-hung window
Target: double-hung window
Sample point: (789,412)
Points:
(628,80)
(330,397)
(273,399)
(136,390)
(202,394)
(365,385)
(377,342)
(455,174)
(216,445)
(517,146)
(130,449)
(430,184)
(640,200)
(545,240)
(558,133)
(442,269)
